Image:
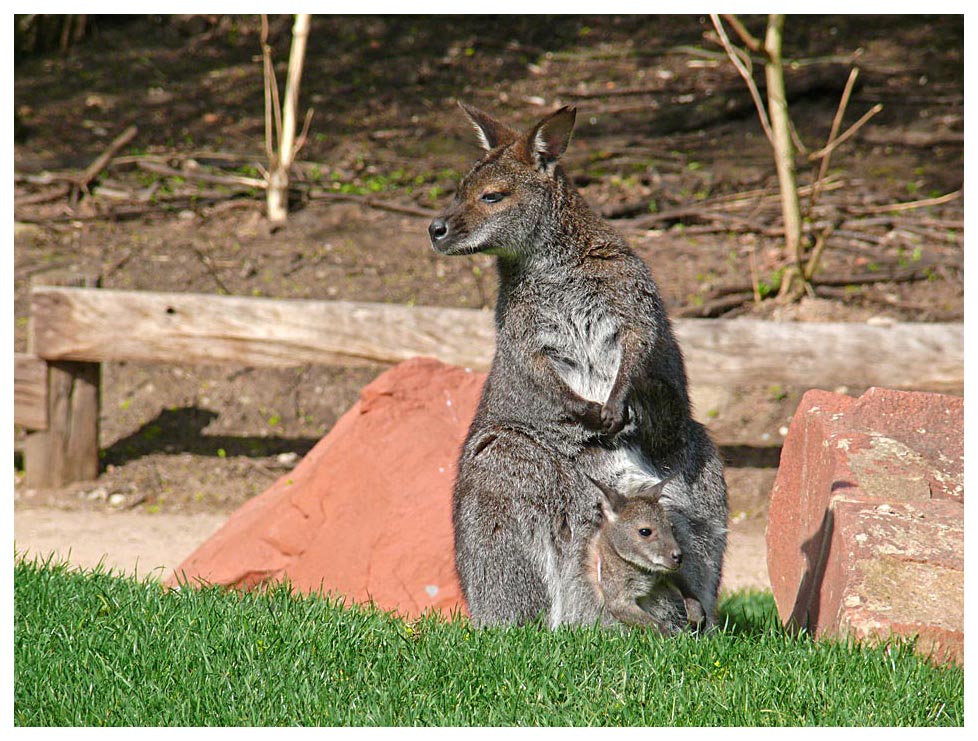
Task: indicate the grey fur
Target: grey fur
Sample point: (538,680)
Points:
(587,380)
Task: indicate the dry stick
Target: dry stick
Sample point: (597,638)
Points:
(893,276)
(848,133)
(715,307)
(750,41)
(271,93)
(209,264)
(906,205)
(301,140)
(755,283)
(754,44)
(744,73)
(833,131)
(731,201)
(91,172)
(817,250)
(52,195)
(372,203)
(205,177)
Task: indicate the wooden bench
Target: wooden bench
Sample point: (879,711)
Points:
(74,328)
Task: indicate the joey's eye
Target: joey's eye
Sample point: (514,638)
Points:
(644,532)
(492,196)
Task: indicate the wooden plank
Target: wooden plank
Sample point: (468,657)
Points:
(99,325)
(67,450)
(744,352)
(79,324)
(30,392)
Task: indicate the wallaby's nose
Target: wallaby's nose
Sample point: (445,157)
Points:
(677,557)
(438,230)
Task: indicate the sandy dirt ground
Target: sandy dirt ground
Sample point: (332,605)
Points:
(153,545)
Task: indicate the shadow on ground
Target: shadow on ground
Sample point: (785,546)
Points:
(181,430)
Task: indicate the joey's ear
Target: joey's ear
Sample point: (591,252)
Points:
(549,139)
(654,491)
(612,503)
(491,132)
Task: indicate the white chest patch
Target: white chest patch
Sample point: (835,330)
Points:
(583,345)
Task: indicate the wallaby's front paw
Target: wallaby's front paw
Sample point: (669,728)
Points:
(614,417)
(590,415)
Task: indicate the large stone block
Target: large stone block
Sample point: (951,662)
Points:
(865,532)
(366,515)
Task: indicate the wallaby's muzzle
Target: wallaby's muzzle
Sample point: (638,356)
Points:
(438,231)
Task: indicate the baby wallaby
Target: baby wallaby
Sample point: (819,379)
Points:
(633,553)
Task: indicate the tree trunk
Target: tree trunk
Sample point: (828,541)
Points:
(278,174)
(784,153)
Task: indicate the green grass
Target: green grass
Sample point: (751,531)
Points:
(91,648)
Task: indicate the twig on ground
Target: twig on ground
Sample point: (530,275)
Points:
(85,178)
(54,194)
(372,202)
(716,307)
(209,264)
(206,177)
(907,205)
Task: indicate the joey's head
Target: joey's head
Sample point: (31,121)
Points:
(638,529)
(501,203)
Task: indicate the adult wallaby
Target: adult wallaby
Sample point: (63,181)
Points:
(587,380)
(634,554)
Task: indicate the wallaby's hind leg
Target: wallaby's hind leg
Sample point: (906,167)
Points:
(510,564)
(498,578)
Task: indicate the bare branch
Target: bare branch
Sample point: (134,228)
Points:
(738,63)
(268,76)
(836,124)
(301,140)
(750,41)
(848,133)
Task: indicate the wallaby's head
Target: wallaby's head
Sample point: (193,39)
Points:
(506,198)
(638,529)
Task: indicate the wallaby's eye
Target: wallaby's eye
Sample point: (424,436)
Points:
(644,532)
(492,196)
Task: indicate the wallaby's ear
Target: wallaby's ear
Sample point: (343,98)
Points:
(612,503)
(549,139)
(491,132)
(654,491)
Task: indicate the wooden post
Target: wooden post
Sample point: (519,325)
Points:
(67,451)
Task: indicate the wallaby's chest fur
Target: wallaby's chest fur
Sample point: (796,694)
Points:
(566,317)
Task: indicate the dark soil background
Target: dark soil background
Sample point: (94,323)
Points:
(664,124)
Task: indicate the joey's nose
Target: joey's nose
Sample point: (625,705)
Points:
(438,230)
(677,557)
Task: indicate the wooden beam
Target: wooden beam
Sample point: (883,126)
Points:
(745,352)
(67,450)
(101,325)
(30,392)
(78,324)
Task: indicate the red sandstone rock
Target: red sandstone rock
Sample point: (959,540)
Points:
(865,531)
(367,513)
